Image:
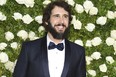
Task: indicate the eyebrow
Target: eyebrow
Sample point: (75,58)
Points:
(58,14)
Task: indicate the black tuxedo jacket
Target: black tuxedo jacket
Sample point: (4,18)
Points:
(33,60)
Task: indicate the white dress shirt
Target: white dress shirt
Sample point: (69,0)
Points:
(55,60)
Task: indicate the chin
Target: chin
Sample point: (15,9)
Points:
(60,31)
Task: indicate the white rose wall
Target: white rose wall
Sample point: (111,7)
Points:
(93,26)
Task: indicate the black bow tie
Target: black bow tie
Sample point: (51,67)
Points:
(59,46)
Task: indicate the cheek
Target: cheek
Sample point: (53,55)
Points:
(67,23)
(66,20)
(53,22)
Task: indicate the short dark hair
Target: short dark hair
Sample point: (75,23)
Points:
(50,7)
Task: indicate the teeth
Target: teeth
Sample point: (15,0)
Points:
(60,27)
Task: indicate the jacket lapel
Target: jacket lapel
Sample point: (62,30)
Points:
(67,59)
(45,57)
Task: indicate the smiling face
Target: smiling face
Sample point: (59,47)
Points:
(58,23)
(59,19)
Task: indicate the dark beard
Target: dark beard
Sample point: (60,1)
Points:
(55,34)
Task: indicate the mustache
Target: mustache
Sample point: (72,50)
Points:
(60,24)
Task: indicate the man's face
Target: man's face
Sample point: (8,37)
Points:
(59,22)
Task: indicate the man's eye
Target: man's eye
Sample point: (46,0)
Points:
(66,16)
(56,15)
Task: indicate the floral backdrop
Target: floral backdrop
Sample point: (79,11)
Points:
(93,26)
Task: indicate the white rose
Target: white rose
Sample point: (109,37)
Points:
(29,3)
(80,42)
(88,5)
(2,2)
(113,34)
(39,19)
(3,46)
(9,66)
(20,1)
(15,62)
(88,59)
(92,72)
(17,16)
(70,2)
(110,15)
(79,8)
(2,17)
(77,24)
(109,59)
(93,11)
(31,35)
(90,27)
(88,43)
(115,52)
(110,41)
(41,28)
(96,41)
(36,38)
(114,45)
(14,45)
(3,57)
(46,2)
(9,36)
(23,34)
(3,76)
(96,55)
(27,19)
(115,14)
(73,19)
(101,20)
(103,68)
(105,76)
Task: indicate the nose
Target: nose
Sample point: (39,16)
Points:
(61,20)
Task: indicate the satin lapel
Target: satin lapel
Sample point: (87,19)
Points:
(45,57)
(67,59)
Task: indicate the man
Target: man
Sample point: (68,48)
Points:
(52,55)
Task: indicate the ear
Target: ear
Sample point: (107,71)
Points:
(46,23)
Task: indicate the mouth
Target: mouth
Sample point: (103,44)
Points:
(60,28)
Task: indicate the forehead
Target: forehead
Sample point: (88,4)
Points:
(58,10)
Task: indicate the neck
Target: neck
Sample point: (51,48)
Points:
(56,41)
